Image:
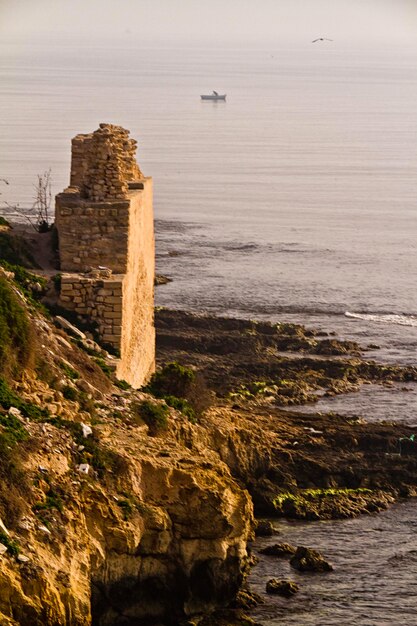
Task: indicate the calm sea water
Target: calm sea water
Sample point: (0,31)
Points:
(374,582)
(294,200)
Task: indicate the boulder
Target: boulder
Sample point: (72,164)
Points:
(309,560)
(264,528)
(286,588)
(278,549)
(66,325)
(247,600)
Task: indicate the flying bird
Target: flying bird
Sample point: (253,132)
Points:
(321,39)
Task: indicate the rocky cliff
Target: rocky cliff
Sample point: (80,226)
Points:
(105,519)
(120,507)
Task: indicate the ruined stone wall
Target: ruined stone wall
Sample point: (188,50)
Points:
(106,243)
(97,299)
(103,163)
(91,234)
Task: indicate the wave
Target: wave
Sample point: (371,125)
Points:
(385,318)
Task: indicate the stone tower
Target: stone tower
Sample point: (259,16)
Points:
(106,247)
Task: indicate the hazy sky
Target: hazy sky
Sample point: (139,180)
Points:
(233,21)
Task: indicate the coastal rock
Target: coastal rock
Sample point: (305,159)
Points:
(246,599)
(162,280)
(279,549)
(335,347)
(286,588)
(309,560)
(264,528)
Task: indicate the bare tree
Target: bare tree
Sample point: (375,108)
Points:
(42,204)
(38,215)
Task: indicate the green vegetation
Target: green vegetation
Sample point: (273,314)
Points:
(107,369)
(13,430)
(103,460)
(172,380)
(129,504)
(31,285)
(90,351)
(321,503)
(3,221)
(87,403)
(154,415)
(253,389)
(70,393)
(16,338)
(127,508)
(14,250)
(52,501)
(9,398)
(122,384)
(181,404)
(180,387)
(13,478)
(317,495)
(12,546)
(68,371)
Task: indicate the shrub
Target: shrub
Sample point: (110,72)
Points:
(172,380)
(182,388)
(181,404)
(154,415)
(70,393)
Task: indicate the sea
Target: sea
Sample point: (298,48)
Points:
(294,200)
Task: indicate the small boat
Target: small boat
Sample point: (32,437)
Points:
(214,96)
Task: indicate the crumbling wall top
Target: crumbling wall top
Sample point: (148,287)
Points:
(104,163)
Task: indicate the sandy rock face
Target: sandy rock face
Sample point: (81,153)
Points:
(165,541)
(189,557)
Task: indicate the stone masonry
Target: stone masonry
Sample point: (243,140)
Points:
(106,247)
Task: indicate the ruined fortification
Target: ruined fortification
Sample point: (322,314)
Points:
(106,247)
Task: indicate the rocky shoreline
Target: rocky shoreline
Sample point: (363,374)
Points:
(295,464)
(129,507)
